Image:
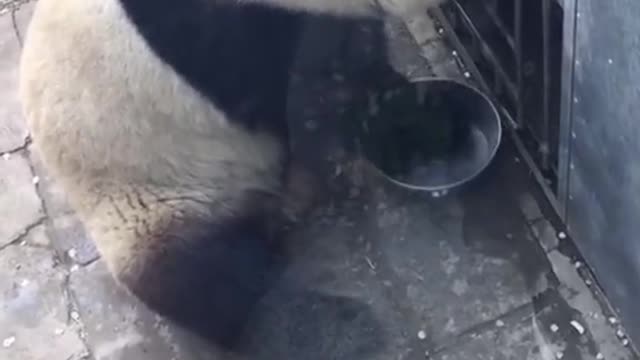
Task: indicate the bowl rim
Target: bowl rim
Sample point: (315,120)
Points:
(475,174)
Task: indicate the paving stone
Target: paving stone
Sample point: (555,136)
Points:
(7,5)
(371,280)
(54,196)
(38,237)
(562,331)
(546,234)
(530,208)
(508,341)
(536,332)
(20,205)
(403,53)
(69,237)
(432,47)
(66,230)
(119,327)
(588,309)
(423,29)
(329,303)
(450,285)
(34,318)
(442,63)
(22,17)
(12,127)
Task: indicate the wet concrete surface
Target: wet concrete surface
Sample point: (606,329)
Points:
(378,273)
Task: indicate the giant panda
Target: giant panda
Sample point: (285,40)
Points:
(164,122)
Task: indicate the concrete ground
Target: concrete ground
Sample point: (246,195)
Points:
(380,273)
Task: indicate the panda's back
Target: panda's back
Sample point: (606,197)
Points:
(234,52)
(158,89)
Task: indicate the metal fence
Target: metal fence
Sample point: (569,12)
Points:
(513,48)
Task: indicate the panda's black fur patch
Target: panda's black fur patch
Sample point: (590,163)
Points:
(207,274)
(236,54)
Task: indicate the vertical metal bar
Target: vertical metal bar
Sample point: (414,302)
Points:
(543,147)
(491,9)
(516,84)
(517,21)
(566,105)
(457,44)
(489,54)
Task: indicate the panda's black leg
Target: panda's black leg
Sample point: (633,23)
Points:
(206,274)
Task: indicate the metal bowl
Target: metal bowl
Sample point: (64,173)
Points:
(430,134)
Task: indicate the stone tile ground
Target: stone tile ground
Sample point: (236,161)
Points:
(380,275)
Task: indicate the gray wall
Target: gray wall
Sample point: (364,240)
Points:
(603,194)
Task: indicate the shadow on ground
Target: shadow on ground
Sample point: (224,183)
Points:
(377,265)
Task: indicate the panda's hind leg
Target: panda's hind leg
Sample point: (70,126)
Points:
(204,273)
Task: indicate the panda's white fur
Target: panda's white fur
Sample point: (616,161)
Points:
(181,198)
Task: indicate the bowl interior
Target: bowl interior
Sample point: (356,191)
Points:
(431,134)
